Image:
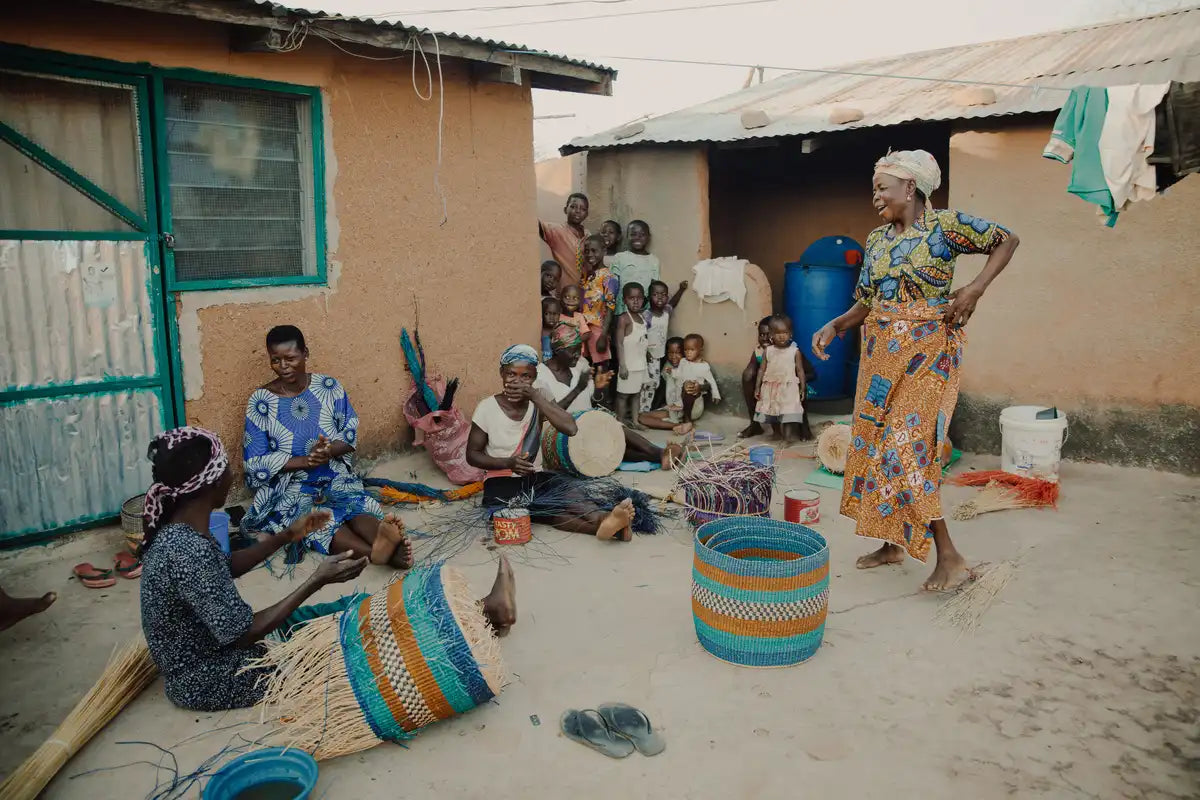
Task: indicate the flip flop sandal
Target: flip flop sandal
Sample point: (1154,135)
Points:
(589,729)
(94,578)
(127,566)
(635,726)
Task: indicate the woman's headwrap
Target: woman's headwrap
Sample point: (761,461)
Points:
(209,474)
(912,165)
(565,336)
(519,354)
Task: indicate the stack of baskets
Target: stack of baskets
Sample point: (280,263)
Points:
(760,590)
(131,522)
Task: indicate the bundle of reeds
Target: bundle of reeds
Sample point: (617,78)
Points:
(966,608)
(129,672)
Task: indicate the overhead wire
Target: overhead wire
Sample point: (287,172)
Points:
(733,3)
(520,6)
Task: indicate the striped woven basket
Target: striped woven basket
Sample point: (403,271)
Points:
(131,522)
(760,591)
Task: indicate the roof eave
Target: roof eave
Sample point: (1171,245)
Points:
(541,71)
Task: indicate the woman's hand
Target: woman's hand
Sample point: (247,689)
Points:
(603,379)
(822,338)
(309,523)
(321,453)
(963,304)
(582,383)
(520,465)
(339,569)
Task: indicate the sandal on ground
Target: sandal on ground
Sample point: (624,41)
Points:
(631,723)
(127,566)
(94,578)
(589,729)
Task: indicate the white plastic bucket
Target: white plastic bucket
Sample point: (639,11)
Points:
(1031,447)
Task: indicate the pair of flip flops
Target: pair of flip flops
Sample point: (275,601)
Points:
(614,729)
(124,564)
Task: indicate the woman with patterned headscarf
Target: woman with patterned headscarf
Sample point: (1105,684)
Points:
(911,355)
(505,440)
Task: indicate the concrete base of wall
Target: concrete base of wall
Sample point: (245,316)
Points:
(1166,437)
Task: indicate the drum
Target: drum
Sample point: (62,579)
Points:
(596,450)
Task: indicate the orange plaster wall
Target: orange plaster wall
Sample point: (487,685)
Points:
(472,279)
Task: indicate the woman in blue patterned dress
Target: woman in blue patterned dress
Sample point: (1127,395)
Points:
(301,432)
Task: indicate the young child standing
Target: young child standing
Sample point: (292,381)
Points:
(750,377)
(631,356)
(658,317)
(610,231)
(551,276)
(599,302)
(637,264)
(551,314)
(780,389)
(571,300)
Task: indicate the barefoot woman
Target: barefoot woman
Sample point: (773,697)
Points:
(301,432)
(913,348)
(201,633)
(505,439)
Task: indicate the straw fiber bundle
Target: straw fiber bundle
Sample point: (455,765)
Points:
(833,448)
(384,668)
(966,608)
(129,672)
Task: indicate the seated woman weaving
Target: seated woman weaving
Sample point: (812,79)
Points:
(505,440)
(200,632)
(569,381)
(301,431)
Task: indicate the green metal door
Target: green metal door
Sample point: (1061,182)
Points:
(84,373)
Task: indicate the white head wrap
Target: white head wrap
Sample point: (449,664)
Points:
(912,165)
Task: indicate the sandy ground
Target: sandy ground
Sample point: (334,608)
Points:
(1082,681)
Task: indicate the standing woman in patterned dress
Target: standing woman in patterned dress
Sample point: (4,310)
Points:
(301,432)
(912,352)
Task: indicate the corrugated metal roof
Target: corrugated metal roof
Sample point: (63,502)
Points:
(1151,49)
(494,44)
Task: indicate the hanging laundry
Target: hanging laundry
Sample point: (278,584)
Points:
(1075,140)
(1127,140)
(721,279)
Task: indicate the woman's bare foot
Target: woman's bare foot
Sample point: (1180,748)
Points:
(402,558)
(683,428)
(753,429)
(500,606)
(949,573)
(620,518)
(388,539)
(15,609)
(634,425)
(672,455)
(888,554)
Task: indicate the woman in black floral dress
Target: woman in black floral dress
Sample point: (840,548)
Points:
(201,633)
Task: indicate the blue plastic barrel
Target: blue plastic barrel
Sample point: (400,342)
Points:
(218,526)
(273,767)
(817,288)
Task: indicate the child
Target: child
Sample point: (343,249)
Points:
(571,299)
(599,300)
(780,390)
(566,239)
(630,339)
(657,317)
(610,231)
(750,377)
(551,276)
(691,380)
(661,419)
(551,314)
(636,265)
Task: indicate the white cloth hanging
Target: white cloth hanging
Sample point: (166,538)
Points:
(720,279)
(1127,140)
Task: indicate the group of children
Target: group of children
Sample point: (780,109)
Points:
(622,310)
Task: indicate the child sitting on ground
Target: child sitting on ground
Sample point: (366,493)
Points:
(630,339)
(658,317)
(551,315)
(551,275)
(781,385)
(571,300)
(693,382)
(637,264)
(610,234)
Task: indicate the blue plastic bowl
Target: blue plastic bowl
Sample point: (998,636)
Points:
(272,764)
(762,455)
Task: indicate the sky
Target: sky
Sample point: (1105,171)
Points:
(774,33)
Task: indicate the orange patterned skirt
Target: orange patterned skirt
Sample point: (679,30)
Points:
(907,389)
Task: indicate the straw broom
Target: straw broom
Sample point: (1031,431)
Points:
(129,672)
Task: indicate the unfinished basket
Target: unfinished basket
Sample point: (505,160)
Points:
(760,591)
(131,521)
